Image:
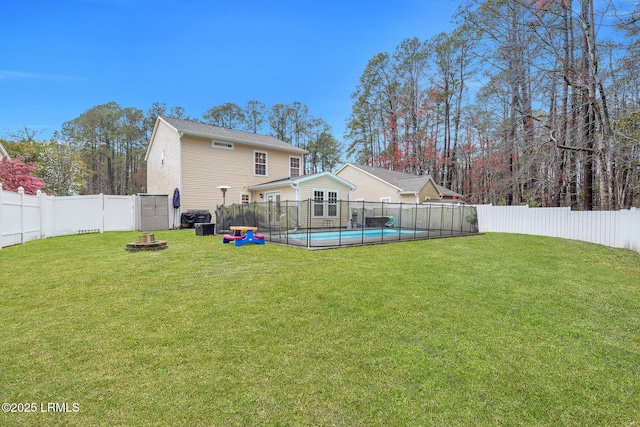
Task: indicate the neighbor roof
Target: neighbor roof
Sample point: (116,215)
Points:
(405,182)
(447,192)
(402,180)
(231,135)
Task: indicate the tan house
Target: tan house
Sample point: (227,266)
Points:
(383,185)
(199,159)
(3,152)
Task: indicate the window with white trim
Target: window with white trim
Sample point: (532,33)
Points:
(318,203)
(325,203)
(294,167)
(332,203)
(260,163)
(244,198)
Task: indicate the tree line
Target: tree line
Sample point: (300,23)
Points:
(103,149)
(533,102)
(525,102)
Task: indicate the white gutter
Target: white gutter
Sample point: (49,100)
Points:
(267,186)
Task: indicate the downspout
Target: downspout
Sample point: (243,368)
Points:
(180,134)
(179,210)
(295,186)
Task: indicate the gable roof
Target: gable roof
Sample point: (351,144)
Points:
(294,181)
(447,192)
(230,135)
(404,182)
(3,152)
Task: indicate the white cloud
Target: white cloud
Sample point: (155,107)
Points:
(18,75)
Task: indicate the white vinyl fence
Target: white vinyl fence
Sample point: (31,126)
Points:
(618,229)
(26,217)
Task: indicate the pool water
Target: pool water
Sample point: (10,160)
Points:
(351,234)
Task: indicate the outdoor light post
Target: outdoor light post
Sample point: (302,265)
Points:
(224,189)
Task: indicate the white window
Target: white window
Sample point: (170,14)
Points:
(260,163)
(221,144)
(325,203)
(294,166)
(332,203)
(245,198)
(385,199)
(318,203)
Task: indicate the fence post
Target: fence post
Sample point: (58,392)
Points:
(1,230)
(132,212)
(136,212)
(309,206)
(21,193)
(102,213)
(39,194)
(453,211)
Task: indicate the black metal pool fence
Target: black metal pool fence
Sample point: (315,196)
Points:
(312,223)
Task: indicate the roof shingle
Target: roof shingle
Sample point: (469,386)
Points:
(404,181)
(206,130)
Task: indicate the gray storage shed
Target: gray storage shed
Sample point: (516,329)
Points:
(153,212)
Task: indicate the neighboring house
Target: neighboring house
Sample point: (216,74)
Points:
(198,158)
(383,185)
(3,152)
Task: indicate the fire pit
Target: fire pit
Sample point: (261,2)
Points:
(147,242)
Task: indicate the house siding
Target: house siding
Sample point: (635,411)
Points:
(286,193)
(430,191)
(407,198)
(164,178)
(325,183)
(328,184)
(204,168)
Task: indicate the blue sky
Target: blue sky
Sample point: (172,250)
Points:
(60,58)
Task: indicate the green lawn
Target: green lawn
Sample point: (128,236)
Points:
(494,329)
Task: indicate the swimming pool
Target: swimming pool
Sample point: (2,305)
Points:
(294,223)
(352,234)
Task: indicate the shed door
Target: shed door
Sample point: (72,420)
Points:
(154,212)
